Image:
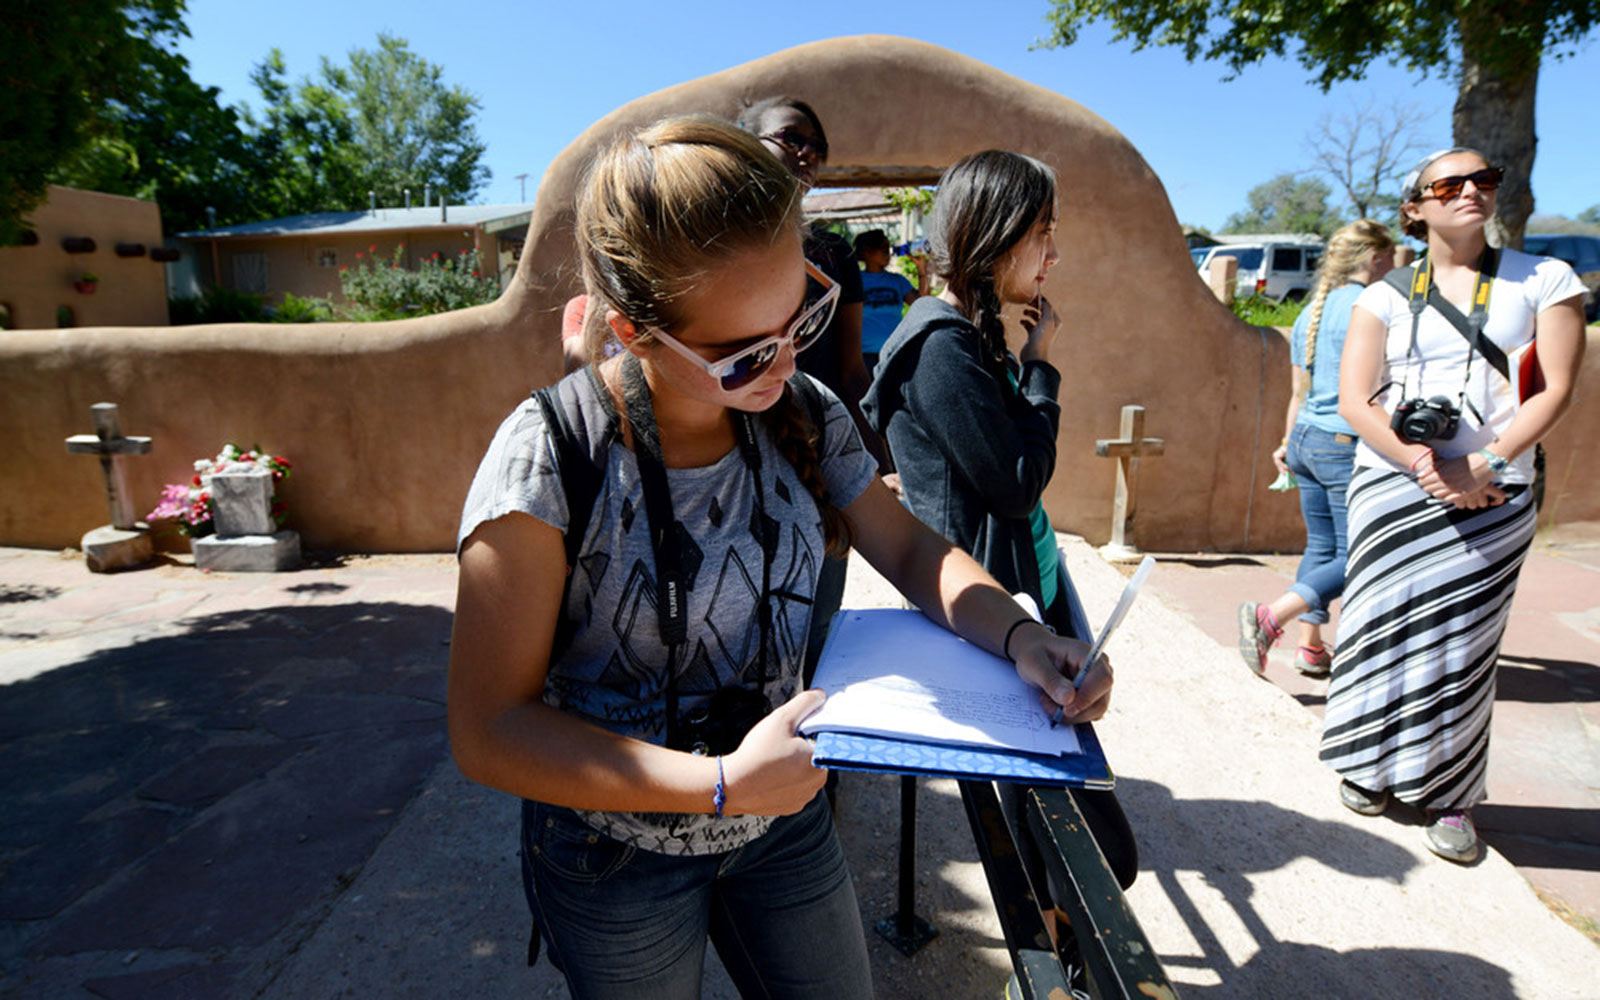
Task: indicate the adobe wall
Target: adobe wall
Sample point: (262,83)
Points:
(36,280)
(385,422)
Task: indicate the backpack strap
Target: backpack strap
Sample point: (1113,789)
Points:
(580,465)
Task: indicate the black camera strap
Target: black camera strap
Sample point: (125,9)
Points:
(668,535)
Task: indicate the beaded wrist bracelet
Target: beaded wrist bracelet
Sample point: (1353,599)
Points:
(719,797)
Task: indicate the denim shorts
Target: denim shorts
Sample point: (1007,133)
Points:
(621,921)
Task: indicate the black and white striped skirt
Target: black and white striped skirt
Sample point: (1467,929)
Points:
(1427,592)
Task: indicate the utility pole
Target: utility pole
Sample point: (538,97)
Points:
(522,187)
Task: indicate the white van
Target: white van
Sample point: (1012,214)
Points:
(1282,268)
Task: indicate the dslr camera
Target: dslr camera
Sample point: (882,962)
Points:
(1419,421)
(718,725)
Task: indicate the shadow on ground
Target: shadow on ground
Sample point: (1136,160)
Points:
(1264,837)
(188,798)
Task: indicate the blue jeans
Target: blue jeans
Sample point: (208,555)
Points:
(625,922)
(1322,462)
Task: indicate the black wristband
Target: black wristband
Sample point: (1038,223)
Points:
(1005,646)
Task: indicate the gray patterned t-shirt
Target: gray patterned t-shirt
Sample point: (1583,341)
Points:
(614,672)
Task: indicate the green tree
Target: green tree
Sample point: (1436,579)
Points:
(160,135)
(61,61)
(1493,48)
(385,122)
(1591,215)
(1286,205)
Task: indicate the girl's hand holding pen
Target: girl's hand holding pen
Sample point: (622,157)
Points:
(1052,663)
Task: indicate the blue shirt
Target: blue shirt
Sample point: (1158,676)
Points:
(885,293)
(1320,408)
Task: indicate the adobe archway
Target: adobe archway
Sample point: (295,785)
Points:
(1140,326)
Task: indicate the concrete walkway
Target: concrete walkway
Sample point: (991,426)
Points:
(238,786)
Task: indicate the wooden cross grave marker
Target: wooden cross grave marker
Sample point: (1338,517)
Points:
(1127,450)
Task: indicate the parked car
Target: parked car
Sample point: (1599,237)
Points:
(1283,270)
(1582,252)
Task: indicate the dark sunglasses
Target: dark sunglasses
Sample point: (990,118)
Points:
(797,142)
(1446,188)
(738,370)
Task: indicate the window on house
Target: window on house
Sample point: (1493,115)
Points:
(250,272)
(5,316)
(65,317)
(327,257)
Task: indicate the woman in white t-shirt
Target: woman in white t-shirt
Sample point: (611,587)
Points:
(1441,511)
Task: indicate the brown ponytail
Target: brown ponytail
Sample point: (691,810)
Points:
(987,202)
(796,437)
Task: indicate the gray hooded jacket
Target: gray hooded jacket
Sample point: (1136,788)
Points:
(974,454)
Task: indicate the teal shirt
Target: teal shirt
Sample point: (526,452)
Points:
(1044,546)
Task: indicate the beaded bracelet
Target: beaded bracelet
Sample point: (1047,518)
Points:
(719,797)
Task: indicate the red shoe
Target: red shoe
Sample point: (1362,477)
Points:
(1257,632)
(1313,661)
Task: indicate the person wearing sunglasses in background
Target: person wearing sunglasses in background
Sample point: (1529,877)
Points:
(1441,513)
(644,702)
(792,132)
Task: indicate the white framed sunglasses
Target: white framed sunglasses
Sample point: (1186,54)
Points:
(738,370)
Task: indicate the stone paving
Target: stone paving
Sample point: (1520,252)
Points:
(196,765)
(237,785)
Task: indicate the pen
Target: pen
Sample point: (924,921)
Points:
(1123,603)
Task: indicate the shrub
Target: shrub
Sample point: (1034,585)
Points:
(217,305)
(295,309)
(380,290)
(1258,310)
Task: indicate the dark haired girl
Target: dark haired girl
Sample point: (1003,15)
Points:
(973,431)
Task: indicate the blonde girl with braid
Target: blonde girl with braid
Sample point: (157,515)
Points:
(1319,447)
(667,797)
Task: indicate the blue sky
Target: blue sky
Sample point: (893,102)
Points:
(545,71)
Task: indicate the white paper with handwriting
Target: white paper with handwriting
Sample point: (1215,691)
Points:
(889,672)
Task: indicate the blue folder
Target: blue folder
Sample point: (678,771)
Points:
(858,752)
